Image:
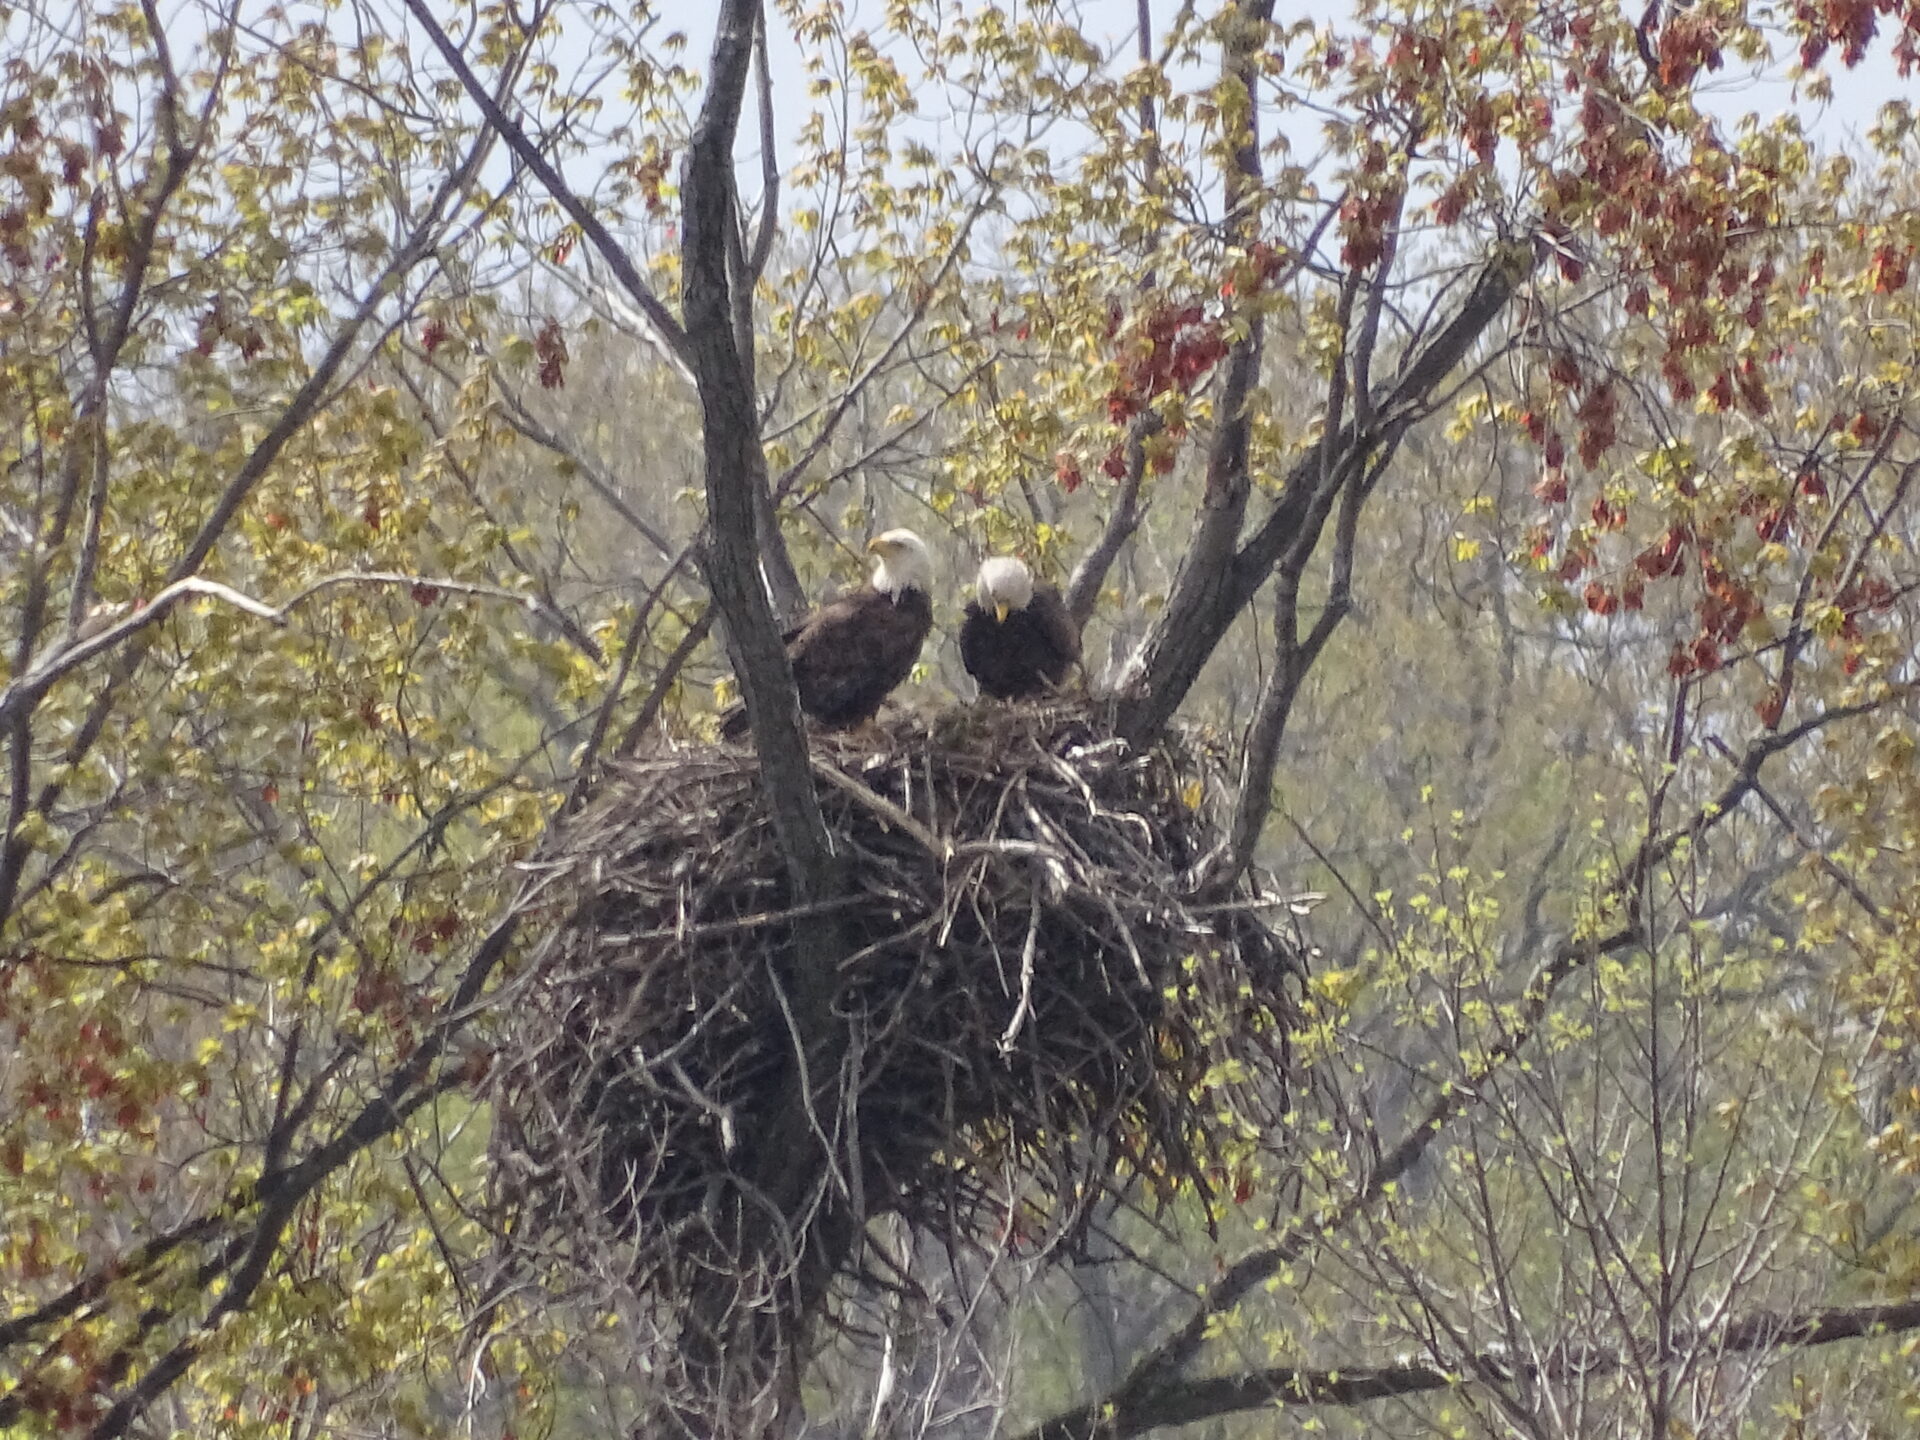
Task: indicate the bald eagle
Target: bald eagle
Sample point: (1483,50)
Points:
(1017,640)
(851,653)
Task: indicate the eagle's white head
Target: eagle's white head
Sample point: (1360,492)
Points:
(901,562)
(1005,585)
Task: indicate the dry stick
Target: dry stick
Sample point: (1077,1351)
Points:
(891,813)
(1026,973)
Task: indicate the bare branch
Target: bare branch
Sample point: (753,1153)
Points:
(21,695)
(556,185)
(1189,1401)
(1083,589)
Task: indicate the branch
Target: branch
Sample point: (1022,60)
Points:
(1287,1385)
(556,185)
(1165,666)
(769,163)
(856,387)
(21,695)
(1217,583)
(1083,590)
(736,464)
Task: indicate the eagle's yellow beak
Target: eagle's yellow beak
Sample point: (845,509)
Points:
(876,546)
(1000,612)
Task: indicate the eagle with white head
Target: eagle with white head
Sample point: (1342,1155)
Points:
(850,654)
(1017,639)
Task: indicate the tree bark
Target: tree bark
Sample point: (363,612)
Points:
(741,1351)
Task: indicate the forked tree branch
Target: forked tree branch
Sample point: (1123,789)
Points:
(736,464)
(1217,582)
(1152,690)
(530,154)
(1083,589)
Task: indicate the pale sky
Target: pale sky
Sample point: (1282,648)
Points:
(1858,93)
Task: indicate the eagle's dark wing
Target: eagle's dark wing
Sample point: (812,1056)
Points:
(853,653)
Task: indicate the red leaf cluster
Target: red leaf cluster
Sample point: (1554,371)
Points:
(1597,414)
(1182,347)
(1728,605)
(1850,24)
(1689,43)
(1667,556)
(1890,267)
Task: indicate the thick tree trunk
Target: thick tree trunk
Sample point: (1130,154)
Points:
(743,1340)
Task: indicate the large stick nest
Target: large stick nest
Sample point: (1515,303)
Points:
(1035,1008)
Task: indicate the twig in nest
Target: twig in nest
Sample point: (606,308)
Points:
(1026,973)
